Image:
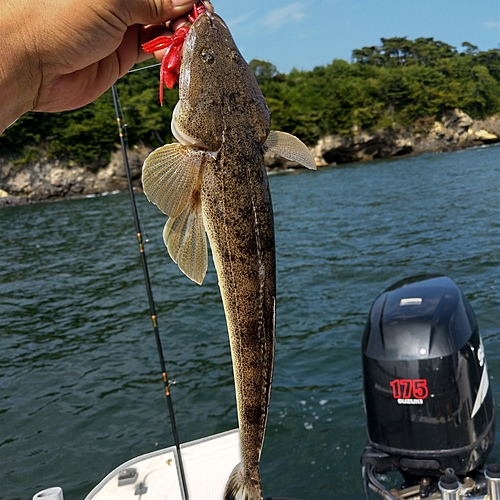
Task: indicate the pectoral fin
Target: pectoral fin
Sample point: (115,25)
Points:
(185,239)
(290,147)
(169,176)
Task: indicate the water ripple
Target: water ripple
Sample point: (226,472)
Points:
(80,388)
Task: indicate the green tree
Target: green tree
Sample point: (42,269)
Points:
(398,82)
(264,71)
(470,49)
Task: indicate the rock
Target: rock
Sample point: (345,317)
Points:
(491,125)
(363,147)
(456,130)
(456,119)
(48,180)
(486,136)
(12,201)
(438,129)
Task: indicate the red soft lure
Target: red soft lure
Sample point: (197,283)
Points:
(171,62)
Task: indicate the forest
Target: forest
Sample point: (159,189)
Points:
(400,82)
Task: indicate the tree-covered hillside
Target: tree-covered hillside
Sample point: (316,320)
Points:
(396,83)
(400,82)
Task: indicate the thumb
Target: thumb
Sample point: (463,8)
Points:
(153,11)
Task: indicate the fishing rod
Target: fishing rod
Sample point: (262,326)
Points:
(152,308)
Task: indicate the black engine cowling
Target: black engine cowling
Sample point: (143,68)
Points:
(427,396)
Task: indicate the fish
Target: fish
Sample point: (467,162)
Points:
(213,182)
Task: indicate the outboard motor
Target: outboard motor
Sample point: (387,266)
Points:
(428,402)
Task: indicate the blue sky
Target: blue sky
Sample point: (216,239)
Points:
(309,33)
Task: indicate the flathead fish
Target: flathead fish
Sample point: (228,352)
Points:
(214,181)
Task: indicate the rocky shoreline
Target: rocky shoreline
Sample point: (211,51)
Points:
(53,180)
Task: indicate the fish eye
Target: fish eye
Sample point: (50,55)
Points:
(207,56)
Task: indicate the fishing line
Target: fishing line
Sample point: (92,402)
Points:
(152,308)
(135,70)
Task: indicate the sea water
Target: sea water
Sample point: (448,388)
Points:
(80,383)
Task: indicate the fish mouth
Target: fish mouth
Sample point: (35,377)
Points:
(212,18)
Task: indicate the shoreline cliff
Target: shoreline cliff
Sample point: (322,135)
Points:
(54,180)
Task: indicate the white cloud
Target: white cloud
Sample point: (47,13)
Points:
(292,13)
(492,24)
(238,20)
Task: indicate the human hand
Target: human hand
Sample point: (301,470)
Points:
(62,54)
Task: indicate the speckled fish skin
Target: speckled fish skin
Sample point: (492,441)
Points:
(215,181)
(238,219)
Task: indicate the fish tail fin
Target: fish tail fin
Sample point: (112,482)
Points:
(241,487)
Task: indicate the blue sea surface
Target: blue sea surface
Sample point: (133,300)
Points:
(80,383)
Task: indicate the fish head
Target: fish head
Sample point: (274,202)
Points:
(218,91)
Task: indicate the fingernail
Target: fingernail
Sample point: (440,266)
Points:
(209,6)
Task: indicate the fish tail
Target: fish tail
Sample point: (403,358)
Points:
(241,487)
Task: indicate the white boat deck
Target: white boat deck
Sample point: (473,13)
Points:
(155,476)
